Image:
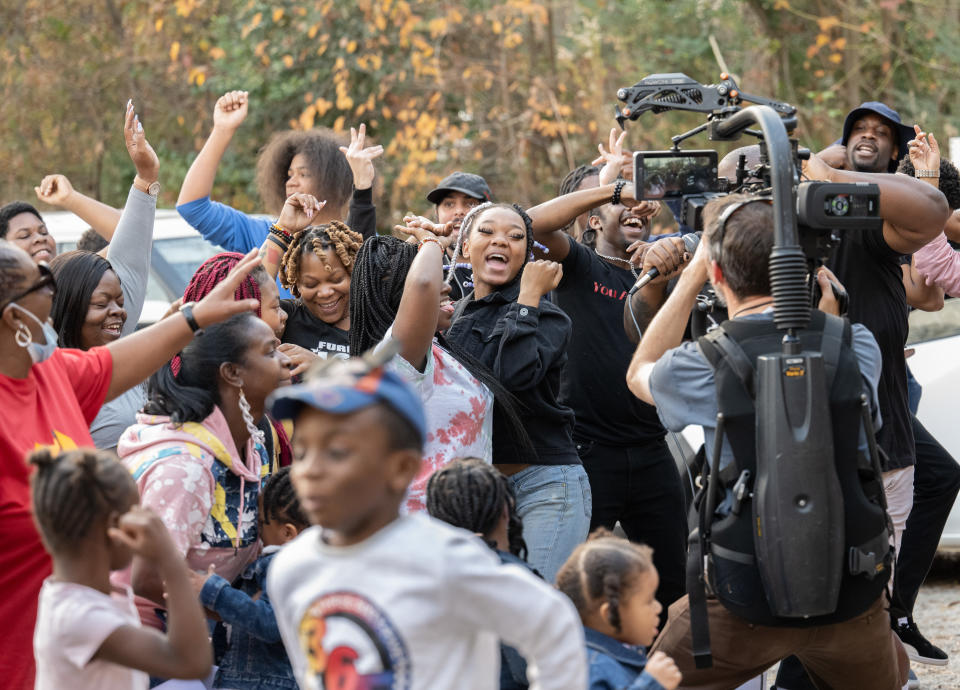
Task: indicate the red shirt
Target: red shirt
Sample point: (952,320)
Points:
(53,406)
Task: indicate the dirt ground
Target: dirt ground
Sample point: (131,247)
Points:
(937,613)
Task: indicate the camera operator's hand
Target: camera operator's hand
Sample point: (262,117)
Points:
(539,278)
(835,156)
(664,670)
(817,169)
(668,255)
(828,300)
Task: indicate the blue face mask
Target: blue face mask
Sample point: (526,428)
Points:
(40,353)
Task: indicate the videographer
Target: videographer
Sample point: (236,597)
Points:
(857,652)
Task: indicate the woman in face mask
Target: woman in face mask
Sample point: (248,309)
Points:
(50,396)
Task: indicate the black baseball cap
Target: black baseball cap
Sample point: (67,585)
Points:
(467,183)
(903,132)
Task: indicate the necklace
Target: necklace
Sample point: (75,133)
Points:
(633,269)
(752,306)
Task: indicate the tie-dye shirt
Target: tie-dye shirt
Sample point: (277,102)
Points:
(459,412)
(192,476)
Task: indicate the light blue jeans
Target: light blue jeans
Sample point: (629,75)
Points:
(555,504)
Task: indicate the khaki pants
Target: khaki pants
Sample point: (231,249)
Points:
(858,653)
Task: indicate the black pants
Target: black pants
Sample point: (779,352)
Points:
(640,488)
(936,481)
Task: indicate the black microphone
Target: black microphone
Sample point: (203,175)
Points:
(690,241)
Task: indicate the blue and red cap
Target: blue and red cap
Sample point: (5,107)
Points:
(345,389)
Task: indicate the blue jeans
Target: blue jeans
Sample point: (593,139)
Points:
(555,504)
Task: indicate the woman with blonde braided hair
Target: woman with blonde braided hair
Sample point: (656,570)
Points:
(314,262)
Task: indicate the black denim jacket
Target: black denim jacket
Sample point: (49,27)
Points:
(525,348)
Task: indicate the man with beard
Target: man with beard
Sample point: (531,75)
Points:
(633,478)
(454,197)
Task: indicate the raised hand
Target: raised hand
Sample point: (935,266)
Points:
(360,158)
(139,149)
(616,163)
(298,211)
(539,278)
(420,227)
(143,532)
(54,189)
(664,670)
(219,304)
(924,151)
(230,110)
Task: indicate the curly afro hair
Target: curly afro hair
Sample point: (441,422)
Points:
(328,167)
(949,179)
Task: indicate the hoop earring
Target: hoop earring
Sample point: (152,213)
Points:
(256,434)
(23,336)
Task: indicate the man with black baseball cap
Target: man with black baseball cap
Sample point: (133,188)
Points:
(456,194)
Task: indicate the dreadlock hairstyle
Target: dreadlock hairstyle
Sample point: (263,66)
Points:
(949,182)
(280,501)
(571,183)
(471,494)
(329,169)
(470,219)
(319,238)
(603,569)
(78,273)
(376,289)
(215,269)
(71,491)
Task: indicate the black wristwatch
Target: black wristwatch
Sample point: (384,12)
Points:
(187,311)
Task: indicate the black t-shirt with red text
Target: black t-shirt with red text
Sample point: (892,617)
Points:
(592,293)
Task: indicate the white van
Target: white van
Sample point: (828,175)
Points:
(178,250)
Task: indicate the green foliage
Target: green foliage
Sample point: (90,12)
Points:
(517,90)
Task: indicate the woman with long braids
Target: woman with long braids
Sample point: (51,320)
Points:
(259,285)
(197,454)
(522,338)
(398,292)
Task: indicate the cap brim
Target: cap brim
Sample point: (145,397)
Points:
(436,196)
(287,403)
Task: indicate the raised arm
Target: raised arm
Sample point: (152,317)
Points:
(362,216)
(297,213)
(228,114)
(138,355)
(913,212)
(129,252)
(56,190)
(920,295)
(416,321)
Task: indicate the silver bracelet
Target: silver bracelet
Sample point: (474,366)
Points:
(926,173)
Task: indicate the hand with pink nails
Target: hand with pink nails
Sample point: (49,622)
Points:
(141,153)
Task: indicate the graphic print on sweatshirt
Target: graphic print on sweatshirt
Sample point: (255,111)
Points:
(350,643)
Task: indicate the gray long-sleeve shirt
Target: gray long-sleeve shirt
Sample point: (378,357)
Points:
(129,254)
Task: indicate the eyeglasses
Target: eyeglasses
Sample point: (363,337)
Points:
(46,280)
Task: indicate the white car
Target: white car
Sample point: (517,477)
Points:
(178,250)
(935,339)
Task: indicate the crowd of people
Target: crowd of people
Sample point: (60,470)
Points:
(351,459)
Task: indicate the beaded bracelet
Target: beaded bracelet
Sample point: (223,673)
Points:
(429,239)
(282,233)
(617,188)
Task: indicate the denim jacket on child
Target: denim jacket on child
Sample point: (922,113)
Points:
(616,666)
(256,657)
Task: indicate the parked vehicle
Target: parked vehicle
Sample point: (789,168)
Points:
(178,250)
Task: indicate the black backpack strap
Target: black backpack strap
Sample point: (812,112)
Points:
(834,331)
(697,593)
(731,351)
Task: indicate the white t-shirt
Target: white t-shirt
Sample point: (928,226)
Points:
(72,622)
(420,605)
(459,415)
